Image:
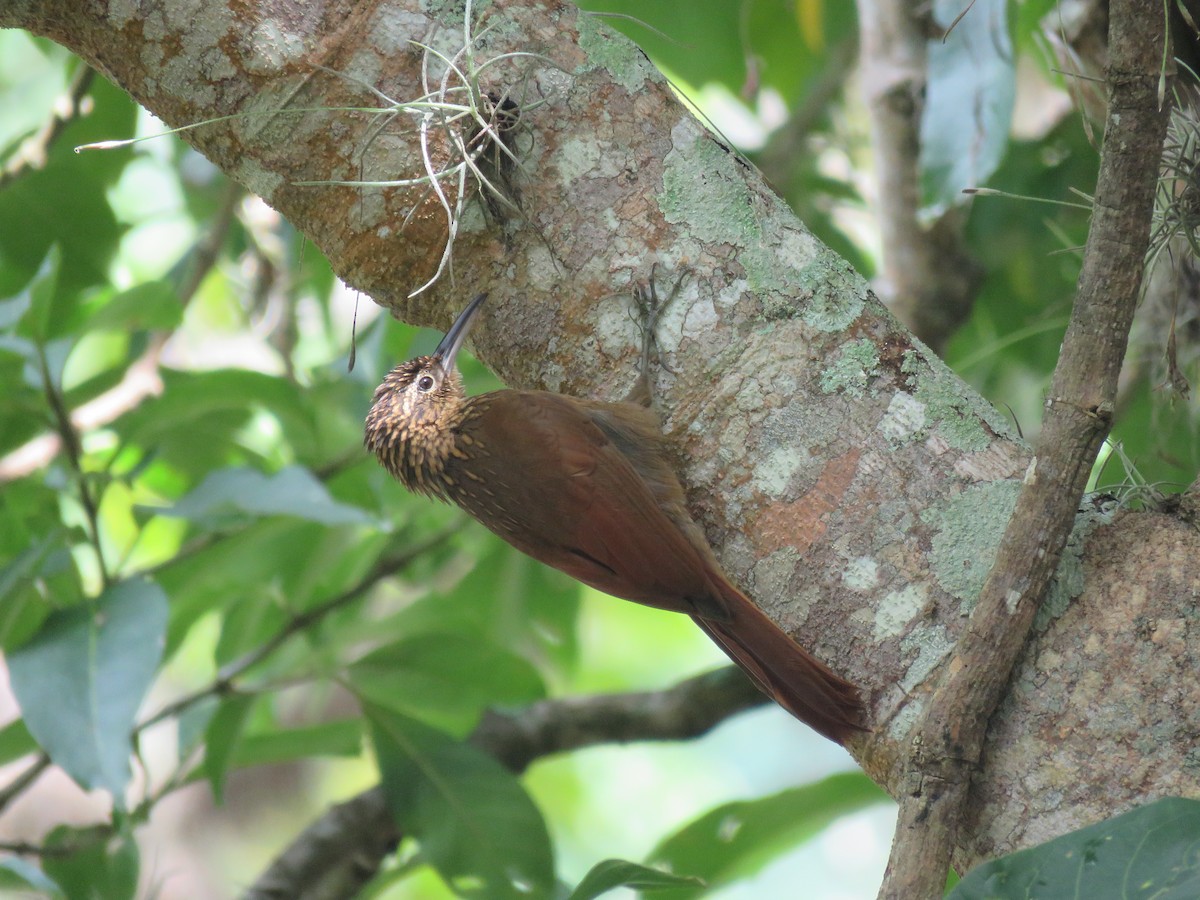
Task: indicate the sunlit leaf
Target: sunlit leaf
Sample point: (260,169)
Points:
(777,44)
(150,305)
(66,203)
(217,404)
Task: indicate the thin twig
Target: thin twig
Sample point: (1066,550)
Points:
(24,780)
(70,442)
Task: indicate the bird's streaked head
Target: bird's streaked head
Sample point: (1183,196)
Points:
(413,407)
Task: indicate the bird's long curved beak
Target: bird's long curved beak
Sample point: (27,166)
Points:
(448,349)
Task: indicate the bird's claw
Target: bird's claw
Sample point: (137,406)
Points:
(645,295)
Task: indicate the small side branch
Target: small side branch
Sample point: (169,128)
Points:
(948,743)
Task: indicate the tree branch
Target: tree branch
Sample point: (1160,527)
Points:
(928,277)
(342,850)
(948,746)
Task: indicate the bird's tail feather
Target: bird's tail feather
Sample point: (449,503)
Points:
(785,671)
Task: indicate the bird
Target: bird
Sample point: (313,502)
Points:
(586,487)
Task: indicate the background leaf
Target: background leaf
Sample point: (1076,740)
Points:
(222,737)
(738,838)
(445,679)
(81,679)
(16,872)
(968,101)
(615,873)
(471,818)
(99,866)
(292,492)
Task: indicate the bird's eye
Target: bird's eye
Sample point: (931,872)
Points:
(425,383)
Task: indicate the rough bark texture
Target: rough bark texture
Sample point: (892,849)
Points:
(1113,676)
(852,484)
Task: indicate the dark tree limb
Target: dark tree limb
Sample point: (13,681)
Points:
(1078,415)
(342,850)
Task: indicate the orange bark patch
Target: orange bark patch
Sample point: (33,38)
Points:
(801,523)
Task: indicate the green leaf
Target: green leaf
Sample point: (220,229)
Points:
(42,568)
(13,309)
(471,818)
(508,598)
(18,873)
(238,492)
(615,873)
(216,404)
(445,678)
(80,681)
(66,202)
(15,741)
(191,726)
(223,735)
(1149,852)
(739,838)
(693,39)
(969,101)
(341,738)
(152,305)
(94,864)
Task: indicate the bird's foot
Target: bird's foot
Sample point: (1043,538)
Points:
(650,307)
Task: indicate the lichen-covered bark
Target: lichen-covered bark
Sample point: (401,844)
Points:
(850,482)
(1106,705)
